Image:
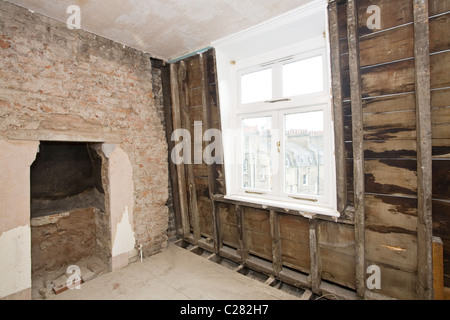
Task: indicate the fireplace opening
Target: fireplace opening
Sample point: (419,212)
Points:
(70,228)
(66,176)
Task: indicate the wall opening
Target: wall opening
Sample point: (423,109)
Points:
(69,223)
(65,176)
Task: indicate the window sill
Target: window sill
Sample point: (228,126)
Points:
(305,210)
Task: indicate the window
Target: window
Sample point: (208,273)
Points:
(275,104)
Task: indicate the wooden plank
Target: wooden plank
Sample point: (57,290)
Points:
(257,220)
(176,112)
(386,214)
(438,7)
(217,227)
(391,45)
(316,271)
(440,77)
(295,246)
(206,112)
(294,228)
(276,243)
(390,149)
(399,125)
(259,244)
(392,78)
(227,214)
(205,217)
(219,182)
(186,122)
(395,249)
(341,175)
(337,253)
(243,247)
(393,14)
(166,87)
(440,179)
(207,118)
(395,283)
(439,26)
(424,150)
(270,281)
(438,269)
(296,255)
(390,103)
(358,147)
(391,176)
(256,227)
(441,229)
(229,235)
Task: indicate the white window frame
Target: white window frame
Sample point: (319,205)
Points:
(231,68)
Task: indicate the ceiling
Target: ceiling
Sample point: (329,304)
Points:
(166,29)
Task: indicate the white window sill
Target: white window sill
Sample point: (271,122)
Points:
(305,210)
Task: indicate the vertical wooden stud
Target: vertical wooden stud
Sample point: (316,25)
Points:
(424,151)
(180,167)
(358,147)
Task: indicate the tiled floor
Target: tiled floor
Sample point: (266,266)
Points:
(175,274)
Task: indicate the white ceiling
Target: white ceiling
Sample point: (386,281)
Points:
(166,29)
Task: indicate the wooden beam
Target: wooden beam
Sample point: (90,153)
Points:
(186,123)
(207,119)
(166,87)
(438,269)
(315,274)
(243,248)
(358,146)
(217,228)
(424,151)
(207,124)
(176,113)
(276,243)
(338,114)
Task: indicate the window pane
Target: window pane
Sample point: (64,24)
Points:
(256,86)
(304,153)
(303,77)
(257,163)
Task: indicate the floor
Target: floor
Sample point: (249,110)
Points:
(179,274)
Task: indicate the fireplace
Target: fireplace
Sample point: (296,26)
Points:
(66,176)
(69,223)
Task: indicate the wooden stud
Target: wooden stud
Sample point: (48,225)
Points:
(184,102)
(216,227)
(438,269)
(207,122)
(243,248)
(180,167)
(165,79)
(341,167)
(239,268)
(276,243)
(358,145)
(316,271)
(270,281)
(424,151)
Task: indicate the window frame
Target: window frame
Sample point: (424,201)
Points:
(251,50)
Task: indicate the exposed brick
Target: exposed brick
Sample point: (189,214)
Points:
(4,44)
(46,68)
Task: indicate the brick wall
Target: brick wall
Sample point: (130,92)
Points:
(47,69)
